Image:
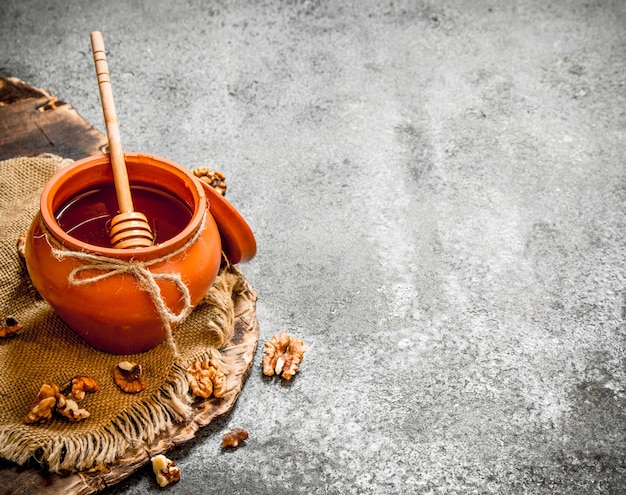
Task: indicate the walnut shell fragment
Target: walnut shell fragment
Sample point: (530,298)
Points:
(212,177)
(165,470)
(234,438)
(282,355)
(11,328)
(128,377)
(206,379)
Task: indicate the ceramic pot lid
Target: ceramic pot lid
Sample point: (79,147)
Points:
(238,242)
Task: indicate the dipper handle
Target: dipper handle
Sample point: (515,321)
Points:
(136,232)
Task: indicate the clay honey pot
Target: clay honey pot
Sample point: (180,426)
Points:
(100,291)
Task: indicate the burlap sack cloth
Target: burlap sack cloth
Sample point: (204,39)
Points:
(47,349)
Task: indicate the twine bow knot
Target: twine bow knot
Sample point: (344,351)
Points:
(146,279)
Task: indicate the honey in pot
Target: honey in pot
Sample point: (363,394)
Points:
(86,216)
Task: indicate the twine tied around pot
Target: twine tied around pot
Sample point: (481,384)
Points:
(146,279)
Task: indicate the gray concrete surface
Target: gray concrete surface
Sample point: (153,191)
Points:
(438,193)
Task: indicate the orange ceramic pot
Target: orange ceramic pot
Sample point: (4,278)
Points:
(116,313)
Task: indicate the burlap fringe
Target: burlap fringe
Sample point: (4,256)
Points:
(139,425)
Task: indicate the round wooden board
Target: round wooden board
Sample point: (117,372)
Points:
(22,125)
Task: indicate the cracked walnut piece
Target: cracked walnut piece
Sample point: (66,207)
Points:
(128,377)
(282,355)
(165,470)
(206,379)
(234,437)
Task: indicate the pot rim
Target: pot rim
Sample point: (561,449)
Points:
(64,176)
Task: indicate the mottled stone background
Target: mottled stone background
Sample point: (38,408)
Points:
(438,194)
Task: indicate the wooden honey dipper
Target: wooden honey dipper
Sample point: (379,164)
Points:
(129,228)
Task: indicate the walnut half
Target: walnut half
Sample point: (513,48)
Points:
(206,379)
(128,377)
(282,355)
(43,406)
(233,438)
